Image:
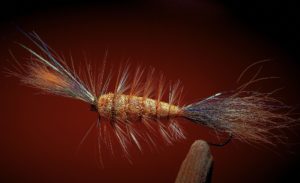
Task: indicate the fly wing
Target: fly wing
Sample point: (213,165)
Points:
(49,72)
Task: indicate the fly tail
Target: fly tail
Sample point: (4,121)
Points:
(248,116)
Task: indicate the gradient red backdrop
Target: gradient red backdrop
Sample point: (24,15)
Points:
(198,43)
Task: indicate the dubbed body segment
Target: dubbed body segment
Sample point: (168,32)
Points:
(138,108)
(133,108)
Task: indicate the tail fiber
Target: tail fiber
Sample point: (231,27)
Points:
(248,116)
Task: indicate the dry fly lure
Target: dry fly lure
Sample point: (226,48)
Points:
(249,116)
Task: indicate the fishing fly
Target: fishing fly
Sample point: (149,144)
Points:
(135,108)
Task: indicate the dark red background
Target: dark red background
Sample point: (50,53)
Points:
(200,43)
